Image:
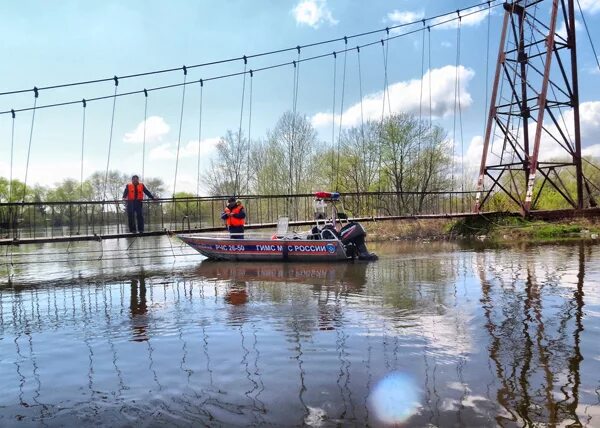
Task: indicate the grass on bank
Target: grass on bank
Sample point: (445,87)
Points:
(499,227)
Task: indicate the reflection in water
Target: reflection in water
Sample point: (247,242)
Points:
(535,342)
(486,338)
(139,310)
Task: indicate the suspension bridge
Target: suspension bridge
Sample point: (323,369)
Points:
(532,103)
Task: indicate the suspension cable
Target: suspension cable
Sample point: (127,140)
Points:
(237,185)
(362,120)
(487,69)
(249,131)
(337,172)
(452,179)
(333,119)
(460,121)
(421,98)
(144,139)
(180,127)
(436,20)
(294,179)
(199,137)
(12,145)
(224,76)
(387,85)
(588,34)
(380,150)
(430,86)
(112,122)
(30,140)
(84,104)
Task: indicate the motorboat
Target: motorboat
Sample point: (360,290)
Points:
(333,238)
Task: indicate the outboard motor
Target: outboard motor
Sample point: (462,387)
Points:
(353,237)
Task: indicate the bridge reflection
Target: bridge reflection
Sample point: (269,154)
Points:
(535,340)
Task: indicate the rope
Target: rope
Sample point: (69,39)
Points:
(333,118)
(29,146)
(387,82)
(430,96)
(180,126)
(452,179)
(421,95)
(112,122)
(436,18)
(199,137)
(144,141)
(382,107)
(362,120)
(82,149)
(587,30)
(337,172)
(237,189)
(460,121)
(293,134)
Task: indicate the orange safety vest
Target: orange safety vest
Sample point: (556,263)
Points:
(234,221)
(131,196)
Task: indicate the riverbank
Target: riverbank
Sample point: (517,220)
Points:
(495,228)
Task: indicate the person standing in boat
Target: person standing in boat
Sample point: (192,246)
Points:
(134,195)
(235,218)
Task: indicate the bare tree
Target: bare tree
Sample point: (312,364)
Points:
(227,173)
(296,137)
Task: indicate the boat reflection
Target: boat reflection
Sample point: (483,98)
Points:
(347,274)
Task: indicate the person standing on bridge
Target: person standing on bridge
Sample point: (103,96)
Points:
(134,194)
(235,218)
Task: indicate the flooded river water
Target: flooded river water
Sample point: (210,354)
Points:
(146,333)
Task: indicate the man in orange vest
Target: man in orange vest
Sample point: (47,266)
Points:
(235,218)
(134,194)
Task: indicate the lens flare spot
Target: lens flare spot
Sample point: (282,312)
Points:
(395,398)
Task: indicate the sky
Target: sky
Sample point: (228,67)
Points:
(51,43)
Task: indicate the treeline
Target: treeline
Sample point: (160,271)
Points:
(400,154)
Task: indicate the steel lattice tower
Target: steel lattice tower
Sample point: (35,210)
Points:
(534,107)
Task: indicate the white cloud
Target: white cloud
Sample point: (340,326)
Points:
(169,150)
(406,17)
(47,173)
(591,6)
(313,13)
(473,17)
(156,128)
(405,97)
(562,29)
(446,44)
(589,115)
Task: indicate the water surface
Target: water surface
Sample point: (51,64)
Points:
(145,332)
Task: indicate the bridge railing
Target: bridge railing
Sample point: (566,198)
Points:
(83,218)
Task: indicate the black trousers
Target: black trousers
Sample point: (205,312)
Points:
(134,212)
(236,232)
